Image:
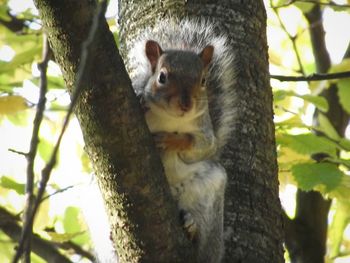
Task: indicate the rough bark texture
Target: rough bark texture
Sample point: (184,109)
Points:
(253,212)
(253,218)
(141,211)
(306,235)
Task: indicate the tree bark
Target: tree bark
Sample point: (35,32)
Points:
(140,208)
(141,212)
(253,218)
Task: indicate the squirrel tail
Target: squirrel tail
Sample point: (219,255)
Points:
(194,35)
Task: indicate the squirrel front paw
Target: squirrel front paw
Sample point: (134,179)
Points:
(168,141)
(189,225)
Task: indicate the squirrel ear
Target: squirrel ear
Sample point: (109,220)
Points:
(206,55)
(153,52)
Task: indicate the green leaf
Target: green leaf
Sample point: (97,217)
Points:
(307,143)
(70,219)
(7,247)
(44,149)
(20,59)
(9,183)
(3,13)
(15,39)
(52,82)
(19,119)
(340,221)
(56,82)
(319,102)
(57,107)
(42,217)
(310,175)
(71,224)
(279,95)
(61,238)
(36,259)
(344,94)
(327,127)
(292,122)
(278,2)
(12,104)
(9,86)
(345,162)
(304,7)
(345,144)
(344,65)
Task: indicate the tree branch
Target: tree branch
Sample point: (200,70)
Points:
(143,216)
(313,77)
(77,250)
(57,192)
(41,247)
(46,172)
(27,222)
(15,24)
(291,38)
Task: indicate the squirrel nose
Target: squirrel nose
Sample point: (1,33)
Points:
(185,102)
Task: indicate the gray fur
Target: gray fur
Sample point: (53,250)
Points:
(193,35)
(197,181)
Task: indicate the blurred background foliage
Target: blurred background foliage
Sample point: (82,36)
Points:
(299,134)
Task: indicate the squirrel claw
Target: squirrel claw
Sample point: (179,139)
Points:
(189,225)
(173,141)
(159,139)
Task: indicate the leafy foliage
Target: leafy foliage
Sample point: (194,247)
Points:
(312,154)
(12,104)
(310,175)
(307,144)
(344,93)
(9,183)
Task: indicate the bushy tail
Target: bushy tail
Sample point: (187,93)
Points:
(193,35)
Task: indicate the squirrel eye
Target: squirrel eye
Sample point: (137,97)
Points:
(162,78)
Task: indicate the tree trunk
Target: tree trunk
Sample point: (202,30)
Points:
(253,220)
(141,211)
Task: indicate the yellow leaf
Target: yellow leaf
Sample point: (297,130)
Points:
(61,238)
(42,218)
(275,58)
(288,157)
(12,104)
(304,7)
(342,66)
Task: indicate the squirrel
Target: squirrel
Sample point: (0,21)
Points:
(184,76)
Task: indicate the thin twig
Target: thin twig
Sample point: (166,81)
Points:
(56,192)
(17,152)
(77,250)
(313,77)
(47,250)
(27,223)
(291,38)
(82,70)
(331,3)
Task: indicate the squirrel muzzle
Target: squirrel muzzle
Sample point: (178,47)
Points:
(185,102)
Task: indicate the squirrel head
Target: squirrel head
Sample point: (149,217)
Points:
(177,83)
